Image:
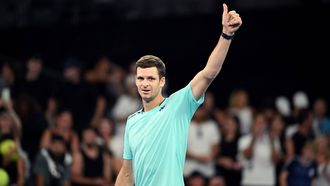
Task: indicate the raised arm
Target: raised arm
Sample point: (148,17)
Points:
(231,21)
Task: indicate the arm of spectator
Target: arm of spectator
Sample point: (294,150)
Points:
(248,152)
(226,162)
(275,149)
(40,181)
(45,139)
(17,125)
(283,178)
(201,158)
(289,149)
(314,182)
(125,176)
(215,150)
(51,109)
(21,172)
(99,110)
(75,143)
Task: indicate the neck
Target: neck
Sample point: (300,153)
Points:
(30,76)
(303,130)
(153,103)
(304,160)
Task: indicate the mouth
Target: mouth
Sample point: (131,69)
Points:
(145,91)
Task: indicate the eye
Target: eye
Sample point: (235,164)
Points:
(151,78)
(139,78)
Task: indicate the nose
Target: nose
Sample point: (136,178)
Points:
(145,83)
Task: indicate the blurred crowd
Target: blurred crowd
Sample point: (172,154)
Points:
(67,128)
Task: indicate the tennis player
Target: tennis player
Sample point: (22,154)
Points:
(155,139)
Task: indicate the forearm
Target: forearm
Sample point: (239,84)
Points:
(216,59)
(204,78)
(99,110)
(124,178)
(248,152)
(66,183)
(283,178)
(17,123)
(39,181)
(276,156)
(201,158)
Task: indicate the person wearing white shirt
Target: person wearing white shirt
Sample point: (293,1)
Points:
(258,152)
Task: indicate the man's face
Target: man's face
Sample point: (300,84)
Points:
(148,83)
(58,147)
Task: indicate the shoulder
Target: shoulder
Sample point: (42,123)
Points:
(133,116)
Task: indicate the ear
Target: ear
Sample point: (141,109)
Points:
(162,81)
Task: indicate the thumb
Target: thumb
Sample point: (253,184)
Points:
(225,12)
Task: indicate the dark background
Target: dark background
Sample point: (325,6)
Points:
(281,47)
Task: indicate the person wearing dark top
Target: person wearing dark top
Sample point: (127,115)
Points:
(33,124)
(10,130)
(9,161)
(36,83)
(303,135)
(76,95)
(91,166)
(52,165)
(227,164)
(302,170)
(63,126)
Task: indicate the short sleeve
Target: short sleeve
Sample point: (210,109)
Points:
(40,166)
(127,153)
(214,133)
(185,101)
(66,175)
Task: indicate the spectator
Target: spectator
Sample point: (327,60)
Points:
(259,153)
(35,83)
(105,130)
(217,180)
(321,124)
(12,156)
(8,78)
(203,142)
(239,106)
(33,124)
(323,161)
(295,144)
(91,165)
(301,171)
(78,97)
(196,179)
(277,131)
(63,126)
(227,164)
(52,165)
(126,104)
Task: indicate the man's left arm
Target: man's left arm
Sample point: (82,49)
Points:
(231,21)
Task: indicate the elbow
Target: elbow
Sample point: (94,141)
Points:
(210,74)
